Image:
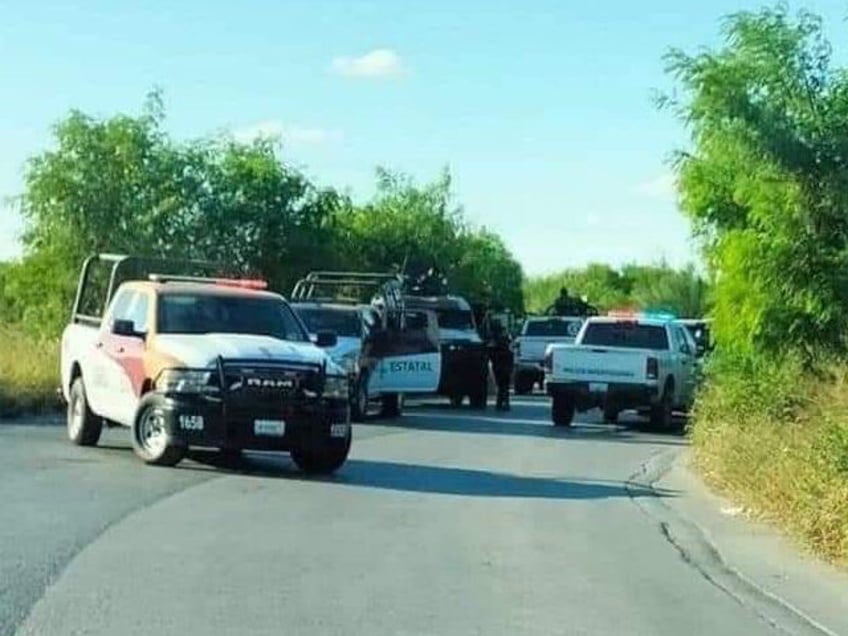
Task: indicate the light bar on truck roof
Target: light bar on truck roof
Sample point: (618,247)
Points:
(243,283)
(641,315)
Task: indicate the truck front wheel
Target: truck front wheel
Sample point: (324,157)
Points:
(610,415)
(562,411)
(84,427)
(359,403)
(523,383)
(151,441)
(323,461)
(392,405)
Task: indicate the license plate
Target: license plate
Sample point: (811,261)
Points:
(339,430)
(269,428)
(598,387)
(191,422)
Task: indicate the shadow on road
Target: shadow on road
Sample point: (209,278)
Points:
(479,483)
(421,478)
(628,432)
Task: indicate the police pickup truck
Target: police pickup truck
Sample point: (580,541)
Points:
(619,362)
(464,359)
(387,349)
(195,361)
(537,333)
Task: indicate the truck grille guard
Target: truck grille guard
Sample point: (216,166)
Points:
(311,388)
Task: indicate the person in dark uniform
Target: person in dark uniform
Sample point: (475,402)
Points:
(500,353)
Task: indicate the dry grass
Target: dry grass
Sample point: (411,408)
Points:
(779,446)
(29,373)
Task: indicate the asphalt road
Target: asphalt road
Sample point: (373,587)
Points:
(442,522)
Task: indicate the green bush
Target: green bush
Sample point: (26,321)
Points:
(775,439)
(29,373)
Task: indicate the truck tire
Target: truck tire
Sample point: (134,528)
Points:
(562,411)
(523,383)
(323,461)
(610,415)
(84,427)
(151,440)
(661,412)
(392,405)
(359,404)
(480,396)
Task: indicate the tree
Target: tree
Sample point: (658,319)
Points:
(639,287)
(766,180)
(122,185)
(409,228)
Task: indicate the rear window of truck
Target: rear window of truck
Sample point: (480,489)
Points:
(628,335)
(554,327)
(455,319)
(343,322)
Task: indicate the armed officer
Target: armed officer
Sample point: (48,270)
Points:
(500,353)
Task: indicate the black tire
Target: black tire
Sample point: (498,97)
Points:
(562,411)
(456,400)
(323,461)
(480,396)
(151,440)
(611,415)
(391,405)
(84,427)
(359,403)
(523,383)
(662,416)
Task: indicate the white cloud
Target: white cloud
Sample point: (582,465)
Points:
(274,129)
(379,63)
(661,187)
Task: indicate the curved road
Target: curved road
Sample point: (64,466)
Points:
(442,522)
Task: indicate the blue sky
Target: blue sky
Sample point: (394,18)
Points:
(542,109)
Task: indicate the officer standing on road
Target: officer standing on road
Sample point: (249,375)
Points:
(500,353)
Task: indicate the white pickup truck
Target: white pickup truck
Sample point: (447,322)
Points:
(537,333)
(187,361)
(623,362)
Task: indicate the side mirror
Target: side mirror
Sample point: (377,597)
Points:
(125,328)
(326,339)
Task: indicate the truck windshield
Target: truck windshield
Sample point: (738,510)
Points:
(342,322)
(554,327)
(629,335)
(455,319)
(208,313)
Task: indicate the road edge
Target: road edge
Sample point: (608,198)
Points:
(695,548)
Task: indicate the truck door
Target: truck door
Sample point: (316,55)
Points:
(120,351)
(98,368)
(405,359)
(684,360)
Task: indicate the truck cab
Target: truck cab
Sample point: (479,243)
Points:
(536,334)
(464,359)
(184,360)
(388,349)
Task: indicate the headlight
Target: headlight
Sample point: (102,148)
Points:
(184,381)
(336,387)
